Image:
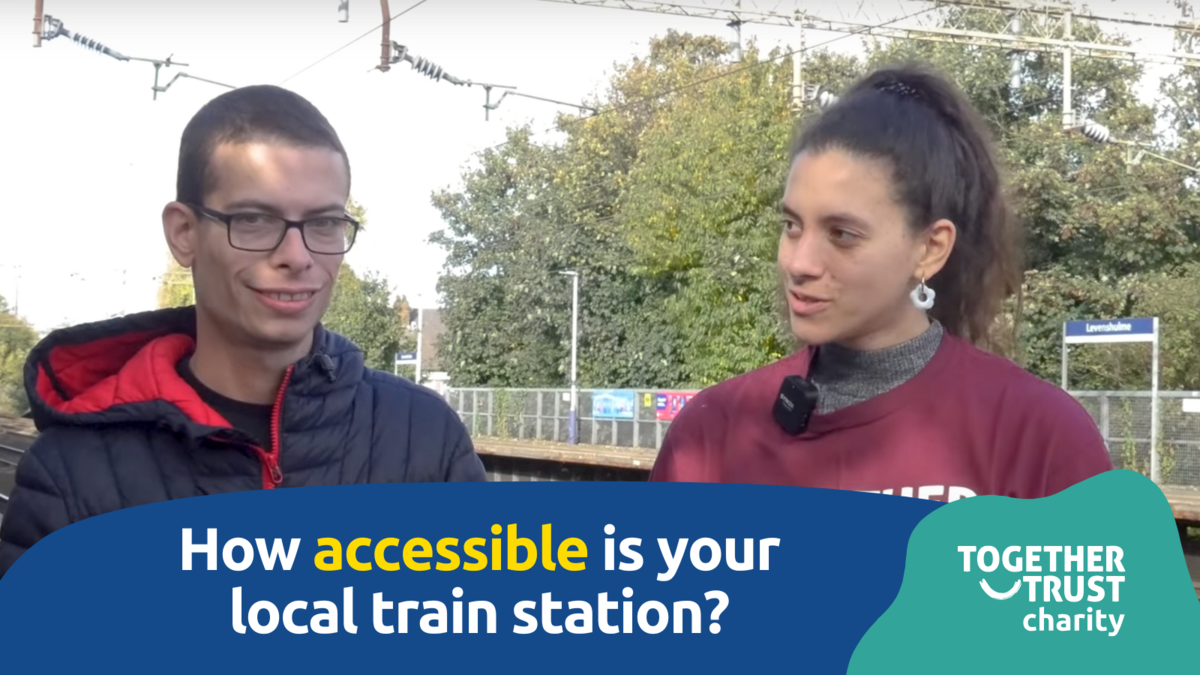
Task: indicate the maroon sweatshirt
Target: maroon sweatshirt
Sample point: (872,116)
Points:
(969,423)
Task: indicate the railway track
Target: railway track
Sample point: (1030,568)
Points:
(9,455)
(12,448)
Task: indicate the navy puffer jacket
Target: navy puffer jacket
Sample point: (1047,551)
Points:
(119,427)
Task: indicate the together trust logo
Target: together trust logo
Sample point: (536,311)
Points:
(1063,579)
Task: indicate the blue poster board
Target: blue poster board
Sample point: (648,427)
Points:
(614,404)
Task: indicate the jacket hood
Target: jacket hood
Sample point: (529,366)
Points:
(122,371)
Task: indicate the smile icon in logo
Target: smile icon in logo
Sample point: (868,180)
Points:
(999,596)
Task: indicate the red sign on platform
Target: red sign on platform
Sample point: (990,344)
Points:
(667,404)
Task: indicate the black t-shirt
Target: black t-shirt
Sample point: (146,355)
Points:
(249,418)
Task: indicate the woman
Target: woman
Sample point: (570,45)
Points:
(896,250)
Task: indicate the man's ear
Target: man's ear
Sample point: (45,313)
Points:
(179,227)
(938,243)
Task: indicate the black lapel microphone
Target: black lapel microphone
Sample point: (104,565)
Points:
(795,404)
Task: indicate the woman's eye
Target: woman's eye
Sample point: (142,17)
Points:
(843,236)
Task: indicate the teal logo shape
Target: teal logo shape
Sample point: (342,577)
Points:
(1091,579)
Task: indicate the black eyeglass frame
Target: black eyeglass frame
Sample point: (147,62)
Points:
(227,220)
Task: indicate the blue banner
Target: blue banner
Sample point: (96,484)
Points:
(606,576)
(614,404)
(464,577)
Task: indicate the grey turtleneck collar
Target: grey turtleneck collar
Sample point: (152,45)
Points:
(845,377)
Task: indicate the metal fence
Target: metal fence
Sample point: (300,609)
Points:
(1123,418)
(543,414)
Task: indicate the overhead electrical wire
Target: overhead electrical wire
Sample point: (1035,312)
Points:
(323,58)
(718,76)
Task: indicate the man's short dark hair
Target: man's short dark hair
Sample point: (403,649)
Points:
(261,113)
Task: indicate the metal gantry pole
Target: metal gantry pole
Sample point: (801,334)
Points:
(574,358)
(1068,111)
(798,76)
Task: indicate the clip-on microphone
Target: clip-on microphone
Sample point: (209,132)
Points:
(795,404)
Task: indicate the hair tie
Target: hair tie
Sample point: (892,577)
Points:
(901,89)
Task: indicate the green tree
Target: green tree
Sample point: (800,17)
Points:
(634,333)
(700,213)
(1102,234)
(503,247)
(17,338)
(666,203)
(357,211)
(529,211)
(176,288)
(1173,297)
(362,309)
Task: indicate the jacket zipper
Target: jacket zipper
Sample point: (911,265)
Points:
(272,475)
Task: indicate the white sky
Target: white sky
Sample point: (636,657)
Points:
(90,158)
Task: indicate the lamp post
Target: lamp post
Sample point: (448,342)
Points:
(420,339)
(573,418)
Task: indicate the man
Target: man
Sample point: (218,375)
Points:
(245,390)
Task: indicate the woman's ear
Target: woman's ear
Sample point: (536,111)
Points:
(179,228)
(938,243)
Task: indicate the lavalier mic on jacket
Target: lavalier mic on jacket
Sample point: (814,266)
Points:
(795,404)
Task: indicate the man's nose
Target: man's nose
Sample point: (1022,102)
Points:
(292,252)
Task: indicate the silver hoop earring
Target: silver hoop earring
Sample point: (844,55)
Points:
(922,296)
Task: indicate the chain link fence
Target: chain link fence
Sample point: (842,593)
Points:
(1123,418)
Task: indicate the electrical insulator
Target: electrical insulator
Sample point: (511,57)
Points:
(88,43)
(422,65)
(428,68)
(52,28)
(1096,132)
(826,99)
(343,10)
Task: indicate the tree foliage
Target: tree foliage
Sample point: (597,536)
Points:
(666,203)
(176,288)
(363,310)
(17,338)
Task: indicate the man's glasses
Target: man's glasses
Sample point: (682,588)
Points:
(259,232)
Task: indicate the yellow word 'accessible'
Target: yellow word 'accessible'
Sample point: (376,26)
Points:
(417,553)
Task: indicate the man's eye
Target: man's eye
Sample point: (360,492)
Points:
(790,226)
(248,219)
